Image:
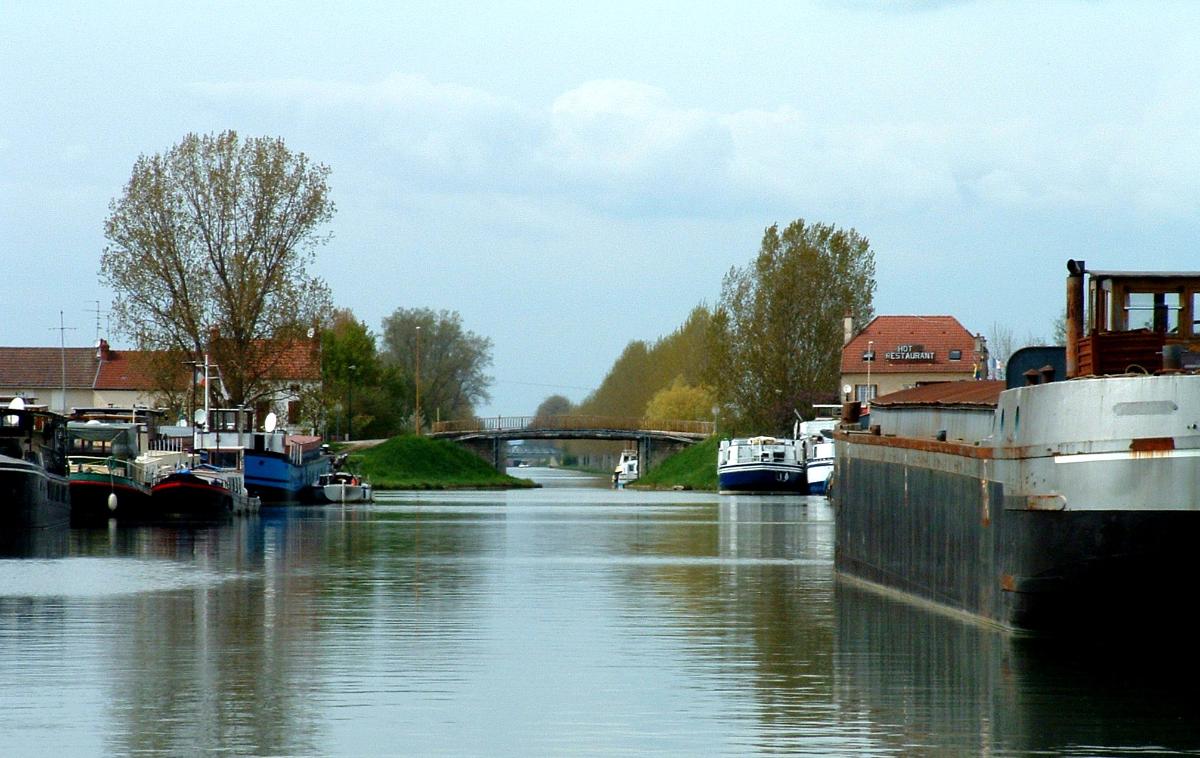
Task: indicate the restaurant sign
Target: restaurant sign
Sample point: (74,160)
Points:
(909,353)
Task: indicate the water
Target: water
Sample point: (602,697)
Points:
(569,620)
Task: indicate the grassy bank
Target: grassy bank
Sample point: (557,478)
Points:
(694,468)
(418,463)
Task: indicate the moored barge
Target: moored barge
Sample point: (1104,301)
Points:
(1067,498)
(33,468)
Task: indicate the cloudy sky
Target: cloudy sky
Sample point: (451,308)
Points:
(570,177)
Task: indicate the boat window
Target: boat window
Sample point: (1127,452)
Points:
(1156,311)
(1017,420)
(1001,420)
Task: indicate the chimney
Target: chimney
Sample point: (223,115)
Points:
(847,330)
(1074,323)
(102,349)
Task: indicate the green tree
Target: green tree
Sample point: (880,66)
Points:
(448,360)
(554,405)
(680,402)
(208,250)
(776,335)
(351,374)
(643,369)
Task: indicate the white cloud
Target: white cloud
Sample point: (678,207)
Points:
(623,146)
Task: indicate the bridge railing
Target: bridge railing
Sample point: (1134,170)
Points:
(552,423)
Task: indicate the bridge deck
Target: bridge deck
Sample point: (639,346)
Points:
(572,427)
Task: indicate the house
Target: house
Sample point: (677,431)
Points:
(98,377)
(59,378)
(893,353)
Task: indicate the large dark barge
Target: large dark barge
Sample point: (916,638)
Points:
(1065,498)
(33,469)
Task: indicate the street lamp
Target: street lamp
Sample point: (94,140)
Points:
(417,382)
(350,401)
(870,359)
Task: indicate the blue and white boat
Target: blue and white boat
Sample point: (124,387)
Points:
(763,465)
(819,452)
(282,467)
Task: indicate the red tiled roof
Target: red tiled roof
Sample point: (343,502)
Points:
(299,360)
(966,392)
(126,370)
(936,334)
(44,367)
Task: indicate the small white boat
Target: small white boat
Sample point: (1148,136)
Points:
(344,487)
(627,468)
(818,463)
(819,452)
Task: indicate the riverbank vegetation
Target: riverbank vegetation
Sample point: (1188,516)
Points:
(409,462)
(693,468)
(424,366)
(769,350)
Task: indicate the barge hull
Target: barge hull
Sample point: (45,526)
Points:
(911,523)
(763,480)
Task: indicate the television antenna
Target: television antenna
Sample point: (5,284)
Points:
(62,348)
(98,313)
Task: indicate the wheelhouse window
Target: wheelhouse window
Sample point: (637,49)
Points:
(1156,311)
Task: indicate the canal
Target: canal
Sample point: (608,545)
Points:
(567,620)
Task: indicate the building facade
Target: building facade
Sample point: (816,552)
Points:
(893,353)
(101,377)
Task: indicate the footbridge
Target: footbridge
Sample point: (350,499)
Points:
(655,439)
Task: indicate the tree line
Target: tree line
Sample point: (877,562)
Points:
(207,256)
(768,350)
(209,248)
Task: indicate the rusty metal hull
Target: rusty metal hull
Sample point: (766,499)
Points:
(1036,527)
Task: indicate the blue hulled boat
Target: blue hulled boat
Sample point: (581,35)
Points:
(282,467)
(762,465)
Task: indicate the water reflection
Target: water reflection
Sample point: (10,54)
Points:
(563,620)
(919,681)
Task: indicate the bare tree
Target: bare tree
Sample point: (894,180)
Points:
(208,250)
(1001,343)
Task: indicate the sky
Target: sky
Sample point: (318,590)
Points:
(569,177)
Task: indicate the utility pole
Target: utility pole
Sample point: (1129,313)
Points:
(62,348)
(417,379)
